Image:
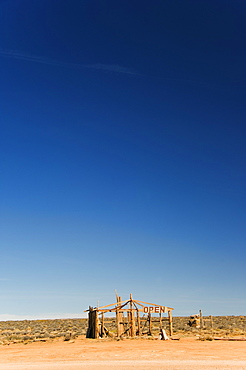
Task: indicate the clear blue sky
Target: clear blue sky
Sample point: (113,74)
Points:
(122,155)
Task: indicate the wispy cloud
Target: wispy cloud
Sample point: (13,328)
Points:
(30,58)
(111,68)
(115,68)
(105,68)
(48,316)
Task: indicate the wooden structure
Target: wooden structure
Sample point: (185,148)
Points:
(199,322)
(132,318)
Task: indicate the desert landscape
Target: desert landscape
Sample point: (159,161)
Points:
(62,344)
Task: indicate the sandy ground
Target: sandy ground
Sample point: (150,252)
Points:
(188,353)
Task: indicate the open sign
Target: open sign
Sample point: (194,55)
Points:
(155,309)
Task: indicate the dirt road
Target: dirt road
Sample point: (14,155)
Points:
(188,353)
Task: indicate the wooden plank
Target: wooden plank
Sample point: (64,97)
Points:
(150,324)
(89,329)
(121,309)
(132,318)
(163,335)
(201,319)
(170,323)
(102,325)
(137,302)
(160,321)
(96,325)
(117,323)
(231,339)
(124,309)
(121,323)
(134,300)
(112,304)
(138,319)
(127,301)
(112,309)
(119,318)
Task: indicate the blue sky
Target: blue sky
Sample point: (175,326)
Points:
(122,155)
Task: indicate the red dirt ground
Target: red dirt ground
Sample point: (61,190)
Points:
(187,353)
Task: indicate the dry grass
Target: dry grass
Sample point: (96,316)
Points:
(40,330)
(47,330)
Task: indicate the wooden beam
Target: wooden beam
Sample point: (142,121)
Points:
(102,325)
(138,318)
(132,318)
(137,302)
(96,325)
(150,324)
(112,304)
(201,319)
(230,339)
(121,309)
(170,322)
(119,318)
(160,321)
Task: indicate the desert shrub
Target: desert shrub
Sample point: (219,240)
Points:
(28,337)
(41,329)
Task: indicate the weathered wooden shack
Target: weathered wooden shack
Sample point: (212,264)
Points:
(132,318)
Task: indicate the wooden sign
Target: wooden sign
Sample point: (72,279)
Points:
(155,309)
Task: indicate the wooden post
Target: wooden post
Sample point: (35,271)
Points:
(117,322)
(89,329)
(96,324)
(123,322)
(132,319)
(93,324)
(150,324)
(138,321)
(170,317)
(102,325)
(201,319)
(160,321)
(119,318)
(129,323)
